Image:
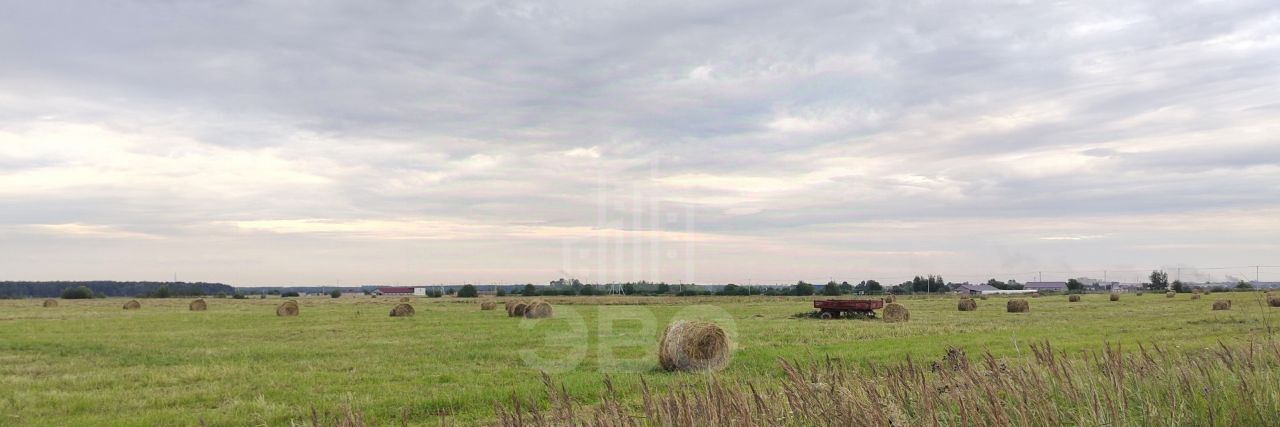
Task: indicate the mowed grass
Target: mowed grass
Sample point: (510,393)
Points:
(90,362)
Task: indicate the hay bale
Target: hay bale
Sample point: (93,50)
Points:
(895,312)
(1273,301)
(688,345)
(488,305)
(983,297)
(517,310)
(1139,293)
(288,308)
(50,303)
(1115,296)
(1170,294)
(1035,295)
(1195,296)
(1222,305)
(967,304)
(132,305)
(198,305)
(1073,298)
(1018,305)
(890,299)
(538,310)
(402,310)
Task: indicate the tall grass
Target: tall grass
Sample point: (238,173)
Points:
(1227,385)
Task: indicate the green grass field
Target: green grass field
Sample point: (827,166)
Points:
(88,362)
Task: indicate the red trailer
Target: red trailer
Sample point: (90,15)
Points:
(833,308)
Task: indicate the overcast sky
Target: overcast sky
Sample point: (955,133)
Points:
(748,142)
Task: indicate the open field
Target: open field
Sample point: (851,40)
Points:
(90,362)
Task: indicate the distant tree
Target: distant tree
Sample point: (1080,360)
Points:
(449,291)
(846,288)
(529,291)
(588,290)
(501,292)
(802,289)
(434,293)
(663,288)
(1074,285)
(78,292)
(1159,280)
(290,294)
(629,289)
(1177,286)
(1244,286)
(335,293)
(237,295)
(468,291)
(872,287)
(162,292)
(831,289)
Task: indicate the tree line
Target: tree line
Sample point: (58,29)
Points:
(106,288)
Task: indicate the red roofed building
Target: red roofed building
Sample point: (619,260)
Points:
(395,290)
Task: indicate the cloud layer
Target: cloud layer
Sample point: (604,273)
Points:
(494,142)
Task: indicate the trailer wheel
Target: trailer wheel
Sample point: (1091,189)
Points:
(826,315)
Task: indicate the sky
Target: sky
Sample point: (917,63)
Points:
(337,142)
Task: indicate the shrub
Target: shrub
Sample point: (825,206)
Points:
(335,294)
(289,294)
(238,295)
(467,291)
(78,292)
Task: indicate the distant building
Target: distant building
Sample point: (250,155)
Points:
(394,290)
(1046,286)
(978,289)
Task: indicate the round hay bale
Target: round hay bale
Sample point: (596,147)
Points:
(1115,296)
(50,303)
(402,310)
(1018,305)
(1170,294)
(1035,295)
(288,308)
(967,304)
(538,310)
(1273,301)
(890,299)
(488,305)
(1222,305)
(517,310)
(404,299)
(198,305)
(895,312)
(693,346)
(132,305)
(1195,296)
(983,297)
(1139,293)
(1073,298)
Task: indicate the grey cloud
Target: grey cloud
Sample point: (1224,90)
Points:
(464,111)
